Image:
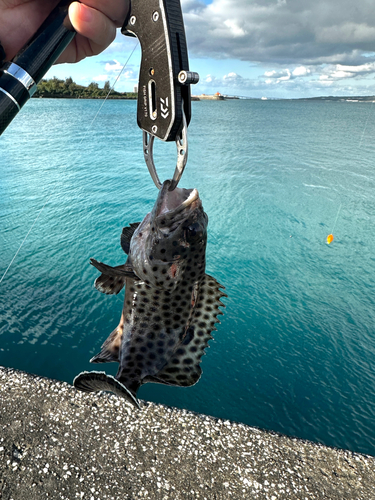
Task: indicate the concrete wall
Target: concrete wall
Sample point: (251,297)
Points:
(58,443)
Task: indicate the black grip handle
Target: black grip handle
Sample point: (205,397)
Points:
(18,79)
(159,26)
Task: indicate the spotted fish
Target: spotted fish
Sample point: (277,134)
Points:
(171,305)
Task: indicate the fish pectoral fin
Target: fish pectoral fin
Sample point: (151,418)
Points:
(124,270)
(126,236)
(112,279)
(110,349)
(100,381)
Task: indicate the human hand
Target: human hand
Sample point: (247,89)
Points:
(94,20)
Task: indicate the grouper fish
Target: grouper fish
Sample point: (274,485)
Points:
(171,305)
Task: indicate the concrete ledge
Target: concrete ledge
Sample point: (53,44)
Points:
(58,443)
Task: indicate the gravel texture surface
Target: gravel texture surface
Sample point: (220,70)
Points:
(59,443)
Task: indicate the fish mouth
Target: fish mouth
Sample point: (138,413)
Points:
(171,203)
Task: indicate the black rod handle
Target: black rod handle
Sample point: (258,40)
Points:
(19,77)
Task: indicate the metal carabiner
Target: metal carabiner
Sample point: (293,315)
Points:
(182,155)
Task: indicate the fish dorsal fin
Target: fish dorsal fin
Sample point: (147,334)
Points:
(110,349)
(112,279)
(126,236)
(183,367)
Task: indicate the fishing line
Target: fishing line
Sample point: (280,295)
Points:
(337,216)
(84,137)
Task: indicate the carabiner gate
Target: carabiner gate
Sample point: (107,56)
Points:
(182,155)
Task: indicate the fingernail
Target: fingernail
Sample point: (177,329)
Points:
(85,13)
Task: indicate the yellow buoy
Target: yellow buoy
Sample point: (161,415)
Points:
(329,238)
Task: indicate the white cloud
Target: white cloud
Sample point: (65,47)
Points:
(301,71)
(235,30)
(113,67)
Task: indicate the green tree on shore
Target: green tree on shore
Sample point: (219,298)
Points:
(57,88)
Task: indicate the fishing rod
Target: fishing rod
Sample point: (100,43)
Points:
(19,77)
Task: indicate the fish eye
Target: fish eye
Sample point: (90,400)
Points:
(192,230)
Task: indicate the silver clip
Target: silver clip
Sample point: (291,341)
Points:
(182,155)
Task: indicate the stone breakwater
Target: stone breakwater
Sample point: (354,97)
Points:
(58,443)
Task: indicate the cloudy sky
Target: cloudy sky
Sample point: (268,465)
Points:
(261,48)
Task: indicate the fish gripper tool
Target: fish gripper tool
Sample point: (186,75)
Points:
(164,98)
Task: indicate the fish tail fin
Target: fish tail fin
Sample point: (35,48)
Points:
(110,348)
(100,381)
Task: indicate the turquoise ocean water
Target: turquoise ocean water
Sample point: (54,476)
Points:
(295,351)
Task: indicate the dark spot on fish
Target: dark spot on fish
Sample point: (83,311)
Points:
(140,235)
(151,335)
(160,343)
(198,313)
(155,269)
(202,324)
(165,307)
(152,355)
(170,342)
(150,345)
(188,361)
(181,377)
(162,222)
(175,361)
(206,316)
(139,357)
(163,271)
(200,333)
(150,257)
(172,369)
(132,349)
(180,351)
(162,250)
(143,348)
(193,274)
(131,364)
(179,309)
(160,350)
(176,317)
(193,349)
